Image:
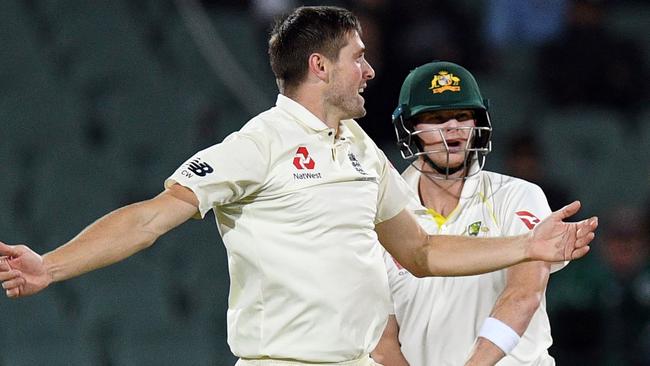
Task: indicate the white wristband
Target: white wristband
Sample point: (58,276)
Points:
(500,334)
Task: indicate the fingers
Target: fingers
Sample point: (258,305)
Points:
(12,280)
(584,241)
(569,210)
(4,264)
(13,283)
(579,252)
(588,224)
(8,250)
(585,233)
(14,292)
(6,275)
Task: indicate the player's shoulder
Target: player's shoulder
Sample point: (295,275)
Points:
(505,179)
(270,119)
(265,126)
(357,131)
(511,197)
(506,185)
(411,176)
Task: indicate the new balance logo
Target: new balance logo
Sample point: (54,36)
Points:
(302,160)
(197,167)
(200,169)
(528,219)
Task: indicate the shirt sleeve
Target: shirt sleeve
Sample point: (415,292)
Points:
(526,207)
(392,269)
(394,193)
(225,172)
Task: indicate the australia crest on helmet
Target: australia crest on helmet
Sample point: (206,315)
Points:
(445,81)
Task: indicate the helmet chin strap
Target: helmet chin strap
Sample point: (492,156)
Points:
(443,171)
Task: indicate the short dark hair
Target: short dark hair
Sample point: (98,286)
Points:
(306,30)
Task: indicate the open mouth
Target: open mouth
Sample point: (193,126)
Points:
(455,145)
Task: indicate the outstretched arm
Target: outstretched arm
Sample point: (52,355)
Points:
(110,239)
(388,351)
(515,307)
(553,240)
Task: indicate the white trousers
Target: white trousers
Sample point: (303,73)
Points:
(363,361)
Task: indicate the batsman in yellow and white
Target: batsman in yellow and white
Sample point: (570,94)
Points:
(444,129)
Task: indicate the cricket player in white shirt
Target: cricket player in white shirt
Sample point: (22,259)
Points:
(443,127)
(301,196)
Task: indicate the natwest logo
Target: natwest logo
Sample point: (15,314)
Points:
(302,160)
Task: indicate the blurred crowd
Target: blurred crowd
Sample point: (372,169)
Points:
(578,57)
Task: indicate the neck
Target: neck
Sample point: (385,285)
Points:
(441,195)
(314,101)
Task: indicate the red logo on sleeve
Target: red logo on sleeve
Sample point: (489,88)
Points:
(528,218)
(302,160)
(399,266)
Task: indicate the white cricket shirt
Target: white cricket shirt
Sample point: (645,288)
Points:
(296,207)
(440,317)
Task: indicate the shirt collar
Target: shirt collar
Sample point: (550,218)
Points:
(300,113)
(412,177)
(345,132)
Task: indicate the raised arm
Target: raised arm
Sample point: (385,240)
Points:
(108,240)
(553,240)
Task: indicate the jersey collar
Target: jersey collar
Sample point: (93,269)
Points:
(300,113)
(345,132)
(412,178)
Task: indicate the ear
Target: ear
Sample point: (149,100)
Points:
(318,66)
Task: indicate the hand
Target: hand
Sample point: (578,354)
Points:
(22,271)
(554,240)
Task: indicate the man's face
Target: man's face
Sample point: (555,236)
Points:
(447,135)
(348,79)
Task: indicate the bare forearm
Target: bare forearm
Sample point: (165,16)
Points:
(110,239)
(388,351)
(512,309)
(552,240)
(448,255)
(390,358)
(516,313)
(515,307)
(461,255)
(484,353)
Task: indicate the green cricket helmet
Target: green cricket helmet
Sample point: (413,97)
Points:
(438,86)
